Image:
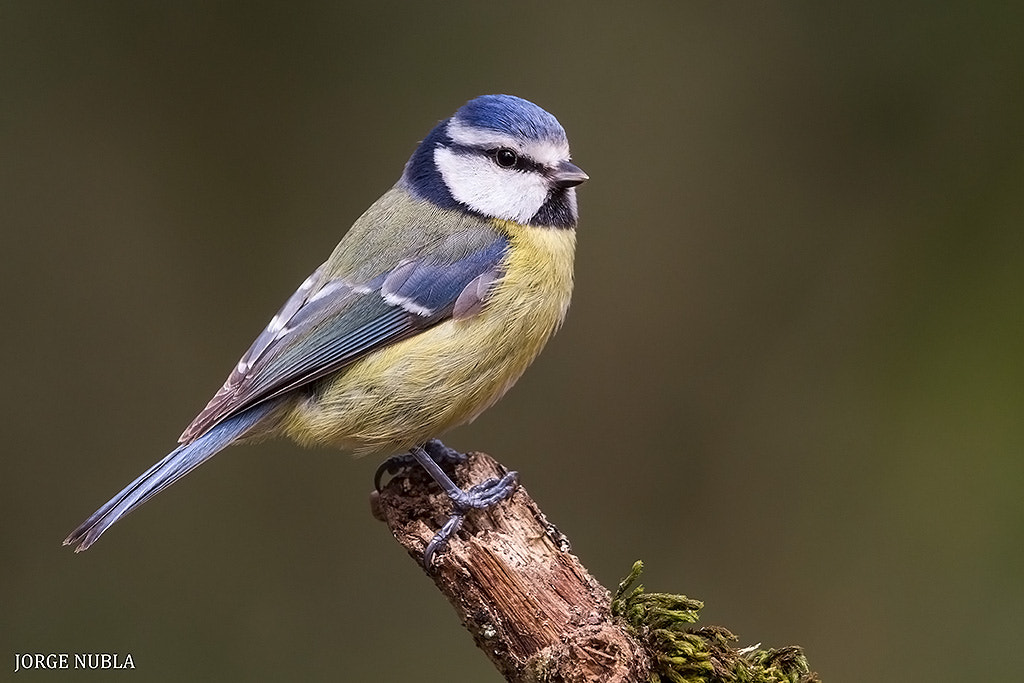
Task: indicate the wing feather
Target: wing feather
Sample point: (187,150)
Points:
(329,323)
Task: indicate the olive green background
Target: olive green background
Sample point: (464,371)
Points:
(792,379)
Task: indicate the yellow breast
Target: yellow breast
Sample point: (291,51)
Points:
(416,389)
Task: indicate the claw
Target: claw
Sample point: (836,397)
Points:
(440,539)
(391,467)
(488,493)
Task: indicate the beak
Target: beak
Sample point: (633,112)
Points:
(568,174)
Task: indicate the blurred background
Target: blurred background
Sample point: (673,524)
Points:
(791,381)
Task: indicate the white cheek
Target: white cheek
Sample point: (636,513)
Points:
(482,186)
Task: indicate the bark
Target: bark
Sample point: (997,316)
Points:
(537,613)
(526,599)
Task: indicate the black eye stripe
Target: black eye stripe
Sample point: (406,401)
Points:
(523,162)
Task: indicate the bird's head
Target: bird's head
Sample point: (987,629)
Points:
(498,156)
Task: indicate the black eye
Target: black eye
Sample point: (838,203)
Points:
(505,157)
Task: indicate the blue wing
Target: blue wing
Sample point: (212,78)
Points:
(330,323)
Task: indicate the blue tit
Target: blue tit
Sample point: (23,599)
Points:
(426,313)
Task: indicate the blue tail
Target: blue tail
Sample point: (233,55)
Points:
(173,467)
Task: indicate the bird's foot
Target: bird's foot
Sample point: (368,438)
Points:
(478,497)
(486,494)
(433,456)
(438,452)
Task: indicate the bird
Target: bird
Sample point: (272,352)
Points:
(426,313)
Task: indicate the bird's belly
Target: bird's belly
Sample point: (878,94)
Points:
(416,389)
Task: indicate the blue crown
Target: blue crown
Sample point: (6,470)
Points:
(512,115)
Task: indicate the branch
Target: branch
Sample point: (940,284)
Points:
(540,616)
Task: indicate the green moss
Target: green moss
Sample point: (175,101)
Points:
(683,654)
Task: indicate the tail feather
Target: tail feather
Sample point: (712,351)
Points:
(173,467)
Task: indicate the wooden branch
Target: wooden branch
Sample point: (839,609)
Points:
(536,611)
